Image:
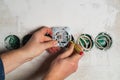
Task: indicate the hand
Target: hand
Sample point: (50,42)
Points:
(39,42)
(64,65)
(34,47)
(54,50)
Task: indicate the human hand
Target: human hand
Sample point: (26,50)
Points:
(54,50)
(64,65)
(39,42)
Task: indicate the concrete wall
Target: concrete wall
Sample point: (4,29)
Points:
(82,16)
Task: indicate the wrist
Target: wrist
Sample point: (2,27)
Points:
(24,55)
(52,76)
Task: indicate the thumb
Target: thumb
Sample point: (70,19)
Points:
(76,56)
(49,44)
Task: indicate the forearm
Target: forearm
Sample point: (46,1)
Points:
(13,59)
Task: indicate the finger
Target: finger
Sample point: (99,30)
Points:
(45,30)
(41,34)
(46,38)
(50,50)
(76,57)
(68,52)
(53,49)
(49,44)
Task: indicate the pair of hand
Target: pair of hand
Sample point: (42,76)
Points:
(64,65)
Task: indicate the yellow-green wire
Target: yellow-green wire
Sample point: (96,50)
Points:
(76,47)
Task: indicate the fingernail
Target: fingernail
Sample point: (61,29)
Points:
(81,53)
(55,43)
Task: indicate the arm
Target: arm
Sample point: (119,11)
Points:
(34,47)
(13,59)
